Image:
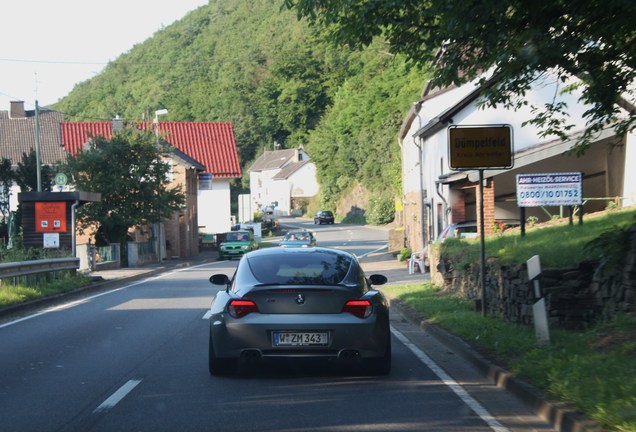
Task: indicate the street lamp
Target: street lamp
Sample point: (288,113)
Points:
(159,236)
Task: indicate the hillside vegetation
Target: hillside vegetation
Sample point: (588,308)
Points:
(278,81)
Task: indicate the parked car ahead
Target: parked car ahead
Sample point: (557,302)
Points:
(324,216)
(468,229)
(237,243)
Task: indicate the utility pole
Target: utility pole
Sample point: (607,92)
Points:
(159,236)
(37,146)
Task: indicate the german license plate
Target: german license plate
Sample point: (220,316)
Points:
(281,338)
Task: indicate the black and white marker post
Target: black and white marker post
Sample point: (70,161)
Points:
(539,313)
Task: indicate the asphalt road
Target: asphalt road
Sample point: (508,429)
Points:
(134,358)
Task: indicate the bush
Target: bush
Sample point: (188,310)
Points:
(404,254)
(381,211)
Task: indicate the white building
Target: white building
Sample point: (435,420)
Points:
(436,195)
(279,179)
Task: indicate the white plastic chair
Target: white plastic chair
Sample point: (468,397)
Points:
(417,258)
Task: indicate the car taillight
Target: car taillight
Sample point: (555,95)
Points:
(240,308)
(359,308)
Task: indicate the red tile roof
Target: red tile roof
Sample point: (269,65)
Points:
(212,144)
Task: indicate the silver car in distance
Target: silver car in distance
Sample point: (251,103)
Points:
(300,303)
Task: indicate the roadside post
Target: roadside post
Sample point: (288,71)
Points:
(539,313)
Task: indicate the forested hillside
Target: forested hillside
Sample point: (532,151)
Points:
(277,80)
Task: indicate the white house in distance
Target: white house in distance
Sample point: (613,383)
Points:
(279,179)
(435,195)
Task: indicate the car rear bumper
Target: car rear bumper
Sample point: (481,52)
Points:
(348,336)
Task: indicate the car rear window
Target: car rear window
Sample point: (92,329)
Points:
(466,232)
(298,236)
(237,236)
(301,269)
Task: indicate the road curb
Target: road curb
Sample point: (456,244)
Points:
(560,416)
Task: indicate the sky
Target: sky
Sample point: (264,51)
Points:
(48,46)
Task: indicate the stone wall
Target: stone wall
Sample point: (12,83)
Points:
(574,297)
(397,240)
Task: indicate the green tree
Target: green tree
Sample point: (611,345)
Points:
(6,180)
(592,40)
(26,175)
(130,173)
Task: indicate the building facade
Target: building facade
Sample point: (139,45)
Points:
(280,179)
(436,195)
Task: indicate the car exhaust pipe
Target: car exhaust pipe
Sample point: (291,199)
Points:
(251,355)
(349,355)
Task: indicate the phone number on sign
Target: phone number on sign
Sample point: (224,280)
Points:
(565,193)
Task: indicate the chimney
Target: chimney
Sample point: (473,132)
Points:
(118,124)
(17,110)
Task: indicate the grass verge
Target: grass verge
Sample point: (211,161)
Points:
(15,294)
(593,370)
(569,251)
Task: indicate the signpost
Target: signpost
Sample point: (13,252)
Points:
(557,189)
(61,180)
(553,189)
(480,147)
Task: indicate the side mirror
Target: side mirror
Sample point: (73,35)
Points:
(378,279)
(219,279)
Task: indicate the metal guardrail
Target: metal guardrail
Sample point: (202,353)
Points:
(22,268)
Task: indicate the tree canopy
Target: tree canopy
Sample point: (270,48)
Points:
(6,180)
(26,174)
(592,40)
(132,177)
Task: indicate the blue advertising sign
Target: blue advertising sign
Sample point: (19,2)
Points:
(205,181)
(556,189)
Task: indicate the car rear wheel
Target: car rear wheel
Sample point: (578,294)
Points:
(219,366)
(380,365)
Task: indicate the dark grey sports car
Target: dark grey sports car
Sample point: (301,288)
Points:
(300,303)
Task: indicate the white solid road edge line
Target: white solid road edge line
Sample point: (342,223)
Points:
(454,386)
(117,396)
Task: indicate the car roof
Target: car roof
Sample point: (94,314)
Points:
(465,223)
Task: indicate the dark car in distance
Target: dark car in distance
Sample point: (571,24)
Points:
(297,304)
(324,217)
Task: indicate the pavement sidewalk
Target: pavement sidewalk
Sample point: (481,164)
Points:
(135,273)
